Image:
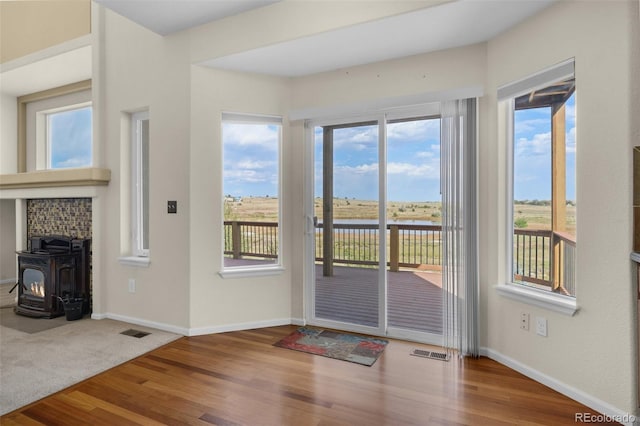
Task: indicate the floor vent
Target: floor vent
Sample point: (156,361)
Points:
(430,354)
(135,333)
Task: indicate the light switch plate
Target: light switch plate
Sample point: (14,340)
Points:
(172,207)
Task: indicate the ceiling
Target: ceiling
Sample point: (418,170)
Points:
(168,16)
(453,24)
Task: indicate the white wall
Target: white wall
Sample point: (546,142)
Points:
(8,262)
(592,352)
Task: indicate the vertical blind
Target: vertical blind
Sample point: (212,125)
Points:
(459,227)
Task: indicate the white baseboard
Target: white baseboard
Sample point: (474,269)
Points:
(198,331)
(137,321)
(567,390)
(298,321)
(9,281)
(238,326)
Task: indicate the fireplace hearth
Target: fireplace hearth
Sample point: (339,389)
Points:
(55,267)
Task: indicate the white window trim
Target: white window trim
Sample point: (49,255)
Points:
(137,208)
(254,270)
(142,262)
(566,305)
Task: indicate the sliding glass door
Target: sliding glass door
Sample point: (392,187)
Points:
(376,236)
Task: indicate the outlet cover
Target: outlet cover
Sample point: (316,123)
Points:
(524,321)
(541,326)
(132,285)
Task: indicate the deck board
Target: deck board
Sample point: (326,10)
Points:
(351,295)
(414,297)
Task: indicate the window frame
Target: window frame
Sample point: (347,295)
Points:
(276,267)
(506,108)
(23,102)
(139,211)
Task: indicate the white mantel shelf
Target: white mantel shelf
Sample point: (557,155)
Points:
(89,176)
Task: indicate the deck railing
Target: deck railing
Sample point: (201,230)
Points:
(253,239)
(541,257)
(408,245)
(545,258)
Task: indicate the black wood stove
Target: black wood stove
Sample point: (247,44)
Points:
(55,267)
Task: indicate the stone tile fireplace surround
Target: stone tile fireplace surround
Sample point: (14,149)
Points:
(59,216)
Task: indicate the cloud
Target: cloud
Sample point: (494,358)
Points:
(539,144)
(412,131)
(427,171)
(571,140)
(254,164)
(72,162)
(243,134)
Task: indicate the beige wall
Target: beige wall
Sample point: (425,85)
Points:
(8,263)
(8,134)
(218,302)
(593,351)
(140,69)
(29,26)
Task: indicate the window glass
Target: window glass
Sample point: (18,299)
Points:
(69,138)
(251,191)
(140,182)
(544,187)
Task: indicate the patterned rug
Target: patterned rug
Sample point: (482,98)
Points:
(331,344)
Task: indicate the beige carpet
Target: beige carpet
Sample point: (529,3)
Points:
(33,366)
(6,298)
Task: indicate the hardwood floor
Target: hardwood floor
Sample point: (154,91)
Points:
(240,378)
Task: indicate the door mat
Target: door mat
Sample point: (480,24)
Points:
(331,344)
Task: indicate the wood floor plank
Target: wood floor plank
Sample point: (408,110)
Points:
(240,378)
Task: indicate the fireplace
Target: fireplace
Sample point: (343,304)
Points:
(55,267)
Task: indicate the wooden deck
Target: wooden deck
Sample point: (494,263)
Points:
(414,298)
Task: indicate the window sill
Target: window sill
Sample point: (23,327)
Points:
(140,262)
(544,299)
(87,176)
(251,272)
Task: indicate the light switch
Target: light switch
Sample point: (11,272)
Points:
(172,207)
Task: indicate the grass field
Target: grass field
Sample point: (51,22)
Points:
(264,209)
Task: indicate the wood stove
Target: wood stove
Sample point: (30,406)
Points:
(55,267)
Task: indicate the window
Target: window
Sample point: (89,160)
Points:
(251,191)
(140,183)
(55,128)
(69,137)
(539,113)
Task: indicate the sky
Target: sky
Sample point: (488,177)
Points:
(70,138)
(413,159)
(532,153)
(250,159)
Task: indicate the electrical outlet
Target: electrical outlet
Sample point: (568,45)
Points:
(524,321)
(132,285)
(172,207)
(541,326)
